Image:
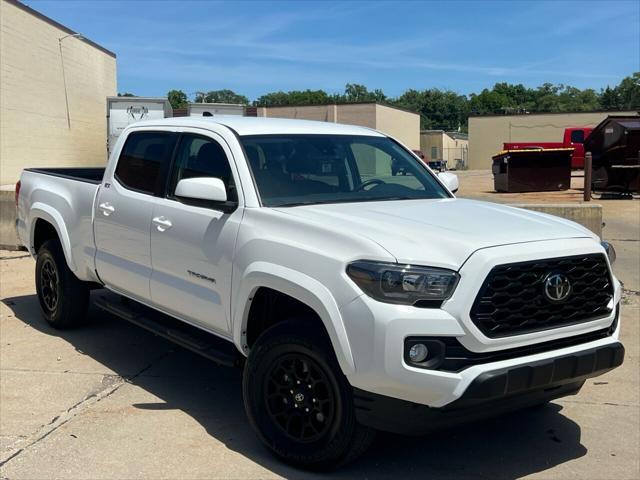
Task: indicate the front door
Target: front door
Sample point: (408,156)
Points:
(192,242)
(124,208)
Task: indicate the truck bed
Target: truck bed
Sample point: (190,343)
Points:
(84,174)
(65,198)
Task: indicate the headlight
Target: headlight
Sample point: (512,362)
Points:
(403,284)
(611,252)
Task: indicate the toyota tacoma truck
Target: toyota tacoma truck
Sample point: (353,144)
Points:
(353,299)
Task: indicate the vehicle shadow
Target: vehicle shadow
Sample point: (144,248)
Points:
(507,447)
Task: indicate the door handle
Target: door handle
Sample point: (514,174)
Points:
(107,208)
(162,223)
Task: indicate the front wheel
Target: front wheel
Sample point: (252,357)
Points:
(64,299)
(299,402)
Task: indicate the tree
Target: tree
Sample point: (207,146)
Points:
(438,109)
(629,91)
(126,94)
(221,96)
(295,97)
(177,98)
(354,92)
(610,98)
(448,110)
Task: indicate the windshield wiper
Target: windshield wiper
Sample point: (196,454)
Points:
(298,204)
(343,200)
(378,199)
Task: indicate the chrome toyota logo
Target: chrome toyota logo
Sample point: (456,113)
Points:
(557,287)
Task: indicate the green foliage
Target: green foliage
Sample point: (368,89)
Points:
(438,109)
(354,92)
(623,97)
(221,96)
(295,97)
(126,94)
(177,99)
(447,110)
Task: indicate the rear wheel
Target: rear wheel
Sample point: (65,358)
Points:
(299,402)
(64,299)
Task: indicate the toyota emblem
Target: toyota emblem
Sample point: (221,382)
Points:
(557,287)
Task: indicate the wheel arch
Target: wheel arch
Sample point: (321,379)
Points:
(300,287)
(44,214)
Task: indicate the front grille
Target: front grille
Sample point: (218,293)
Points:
(512,301)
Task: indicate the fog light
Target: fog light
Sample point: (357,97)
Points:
(418,353)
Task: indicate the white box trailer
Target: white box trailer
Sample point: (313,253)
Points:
(215,109)
(123,111)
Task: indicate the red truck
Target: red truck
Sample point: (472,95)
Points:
(574,137)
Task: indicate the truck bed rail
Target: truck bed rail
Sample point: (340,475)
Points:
(84,174)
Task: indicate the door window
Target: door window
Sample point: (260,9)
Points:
(198,157)
(144,160)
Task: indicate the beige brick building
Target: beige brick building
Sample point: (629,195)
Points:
(36,128)
(398,123)
(450,147)
(488,133)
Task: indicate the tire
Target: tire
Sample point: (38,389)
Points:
(285,360)
(63,298)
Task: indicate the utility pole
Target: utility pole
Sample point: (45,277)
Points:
(588,167)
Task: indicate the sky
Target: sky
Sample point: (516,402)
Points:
(259,47)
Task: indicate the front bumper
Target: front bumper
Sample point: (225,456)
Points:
(378,333)
(491,393)
(379,340)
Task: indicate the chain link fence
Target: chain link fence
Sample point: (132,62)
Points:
(454,158)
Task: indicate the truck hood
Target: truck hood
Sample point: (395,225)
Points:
(441,232)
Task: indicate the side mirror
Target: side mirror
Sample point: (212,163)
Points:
(450,180)
(202,188)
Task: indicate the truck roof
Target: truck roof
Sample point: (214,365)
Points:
(263,126)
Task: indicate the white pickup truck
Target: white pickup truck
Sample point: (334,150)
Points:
(355,300)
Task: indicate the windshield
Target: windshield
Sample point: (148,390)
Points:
(292,170)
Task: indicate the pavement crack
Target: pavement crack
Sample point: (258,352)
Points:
(110,384)
(608,404)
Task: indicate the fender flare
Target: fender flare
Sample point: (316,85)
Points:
(301,287)
(47,213)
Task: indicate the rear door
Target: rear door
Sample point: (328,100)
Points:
(124,207)
(192,242)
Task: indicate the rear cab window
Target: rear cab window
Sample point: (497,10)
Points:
(577,136)
(144,161)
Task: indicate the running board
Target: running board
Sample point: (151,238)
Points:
(221,351)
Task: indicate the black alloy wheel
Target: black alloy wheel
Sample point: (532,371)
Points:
(297,399)
(63,298)
(300,398)
(50,284)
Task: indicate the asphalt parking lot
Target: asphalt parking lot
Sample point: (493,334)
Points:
(113,401)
